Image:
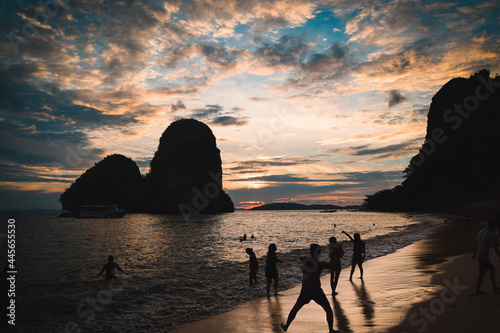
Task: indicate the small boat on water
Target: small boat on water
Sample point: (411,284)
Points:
(100,211)
(328,211)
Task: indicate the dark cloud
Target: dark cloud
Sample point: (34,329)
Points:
(215,115)
(228,121)
(277,179)
(399,150)
(396,97)
(41,126)
(177,106)
(258,99)
(251,166)
(220,56)
(288,50)
(351,184)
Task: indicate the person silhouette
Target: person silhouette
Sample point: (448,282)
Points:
(254,266)
(311,288)
(484,241)
(271,269)
(358,255)
(335,253)
(109,267)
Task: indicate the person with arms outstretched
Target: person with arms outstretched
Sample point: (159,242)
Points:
(271,269)
(311,288)
(485,240)
(335,253)
(109,268)
(358,255)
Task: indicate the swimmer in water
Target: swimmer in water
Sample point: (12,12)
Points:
(109,268)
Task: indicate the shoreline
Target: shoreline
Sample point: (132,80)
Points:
(394,290)
(453,307)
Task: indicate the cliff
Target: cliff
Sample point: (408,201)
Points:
(186,171)
(114,180)
(457,163)
(185,177)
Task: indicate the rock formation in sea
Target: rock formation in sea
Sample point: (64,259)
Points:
(114,180)
(458,162)
(185,177)
(186,171)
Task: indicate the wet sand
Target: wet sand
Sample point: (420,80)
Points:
(436,273)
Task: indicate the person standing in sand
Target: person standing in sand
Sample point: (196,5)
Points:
(271,269)
(254,266)
(485,240)
(358,255)
(311,288)
(335,253)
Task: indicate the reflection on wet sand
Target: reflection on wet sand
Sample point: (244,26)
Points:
(365,302)
(275,314)
(342,321)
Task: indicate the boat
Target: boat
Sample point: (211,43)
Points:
(99,211)
(328,211)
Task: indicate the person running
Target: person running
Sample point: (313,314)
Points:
(109,268)
(254,266)
(358,255)
(335,253)
(271,269)
(311,288)
(485,240)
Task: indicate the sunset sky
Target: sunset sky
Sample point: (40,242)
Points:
(310,101)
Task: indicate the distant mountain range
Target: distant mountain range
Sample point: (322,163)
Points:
(296,206)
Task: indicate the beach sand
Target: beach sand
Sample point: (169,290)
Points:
(426,286)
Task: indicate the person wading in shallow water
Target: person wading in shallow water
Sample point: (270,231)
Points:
(109,268)
(358,255)
(311,288)
(271,269)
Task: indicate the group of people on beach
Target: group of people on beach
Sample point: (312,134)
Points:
(311,273)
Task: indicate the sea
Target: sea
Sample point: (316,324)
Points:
(179,270)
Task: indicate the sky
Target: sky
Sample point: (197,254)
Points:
(310,101)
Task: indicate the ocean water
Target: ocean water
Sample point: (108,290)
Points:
(178,270)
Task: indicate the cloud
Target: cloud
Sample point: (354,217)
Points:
(332,188)
(207,17)
(288,50)
(229,121)
(396,97)
(215,115)
(177,106)
(392,151)
(263,164)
